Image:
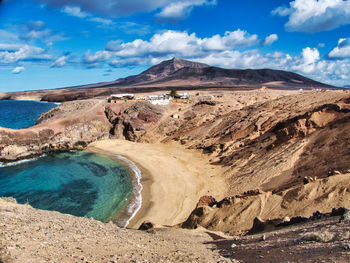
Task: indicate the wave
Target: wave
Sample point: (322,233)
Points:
(133,207)
(2,165)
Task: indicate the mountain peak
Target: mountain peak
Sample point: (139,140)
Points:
(186,63)
(168,67)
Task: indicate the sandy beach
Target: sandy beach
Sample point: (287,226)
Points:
(173,179)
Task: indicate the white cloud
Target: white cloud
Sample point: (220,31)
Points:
(98,57)
(315,15)
(34,34)
(117,8)
(104,21)
(17,70)
(270,39)
(60,62)
(181,9)
(77,12)
(342,51)
(281,11)
(182,44)
(24,52)
(307,64)
(74,11)
(10,47)
(225,51)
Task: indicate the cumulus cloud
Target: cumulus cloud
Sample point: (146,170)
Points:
(24,52)
(225,51)
(307,63)
(230,50)
(17,70)
(342,51)
(181,9)
(60,62)
(95,59)
(270,39)
(74,11)
(315,15)
(182,44)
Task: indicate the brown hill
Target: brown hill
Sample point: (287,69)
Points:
(187,73)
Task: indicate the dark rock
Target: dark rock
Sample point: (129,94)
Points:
(206,201)
(338,211)
(146,226)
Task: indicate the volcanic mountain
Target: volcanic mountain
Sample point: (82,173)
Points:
(179,74)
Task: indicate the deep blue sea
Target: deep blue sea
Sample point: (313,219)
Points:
(81,183)
(21,114)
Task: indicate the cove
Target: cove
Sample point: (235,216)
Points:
(83,184)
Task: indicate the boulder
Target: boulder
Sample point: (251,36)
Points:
(206,201)
(146,225)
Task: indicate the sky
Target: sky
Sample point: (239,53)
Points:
(48,44)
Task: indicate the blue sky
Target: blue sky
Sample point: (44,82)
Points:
(57,43)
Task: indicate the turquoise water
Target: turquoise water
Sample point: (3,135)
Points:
(82,184)
(21,114)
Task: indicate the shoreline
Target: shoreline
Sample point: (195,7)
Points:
(173,179)
(146,180)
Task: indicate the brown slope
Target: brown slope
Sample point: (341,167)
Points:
(212,76)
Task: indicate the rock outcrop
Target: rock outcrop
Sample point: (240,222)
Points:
(70,126)
(134,121)
(256,211)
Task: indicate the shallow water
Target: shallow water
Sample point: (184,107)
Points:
(80,183)
(21,114)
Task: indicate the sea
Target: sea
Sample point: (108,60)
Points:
(21,114)
(79,183)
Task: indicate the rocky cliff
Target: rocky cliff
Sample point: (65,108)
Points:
(73,125)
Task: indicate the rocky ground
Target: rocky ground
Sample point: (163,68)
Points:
(30,235)
(322,240)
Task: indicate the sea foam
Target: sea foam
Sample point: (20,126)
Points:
(134,207)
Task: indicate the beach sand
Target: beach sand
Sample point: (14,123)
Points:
(173,179)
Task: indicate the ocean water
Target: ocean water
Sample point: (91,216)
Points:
(21,114)
(83,184)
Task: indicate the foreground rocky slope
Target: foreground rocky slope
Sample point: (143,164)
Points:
(30,235)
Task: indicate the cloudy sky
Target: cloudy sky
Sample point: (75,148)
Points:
(58,43)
